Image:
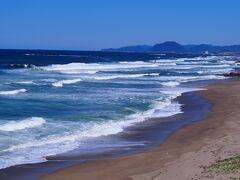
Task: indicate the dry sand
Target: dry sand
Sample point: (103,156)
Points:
(184,154)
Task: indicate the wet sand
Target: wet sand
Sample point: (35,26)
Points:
(183,154)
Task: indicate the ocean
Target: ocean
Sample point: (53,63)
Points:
(53,102)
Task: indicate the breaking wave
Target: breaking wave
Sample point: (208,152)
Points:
(124,76)
(13,92)
(62,82)
(24,124)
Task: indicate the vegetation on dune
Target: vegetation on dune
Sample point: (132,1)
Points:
(226,166)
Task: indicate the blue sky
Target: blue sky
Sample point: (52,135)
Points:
(96,24)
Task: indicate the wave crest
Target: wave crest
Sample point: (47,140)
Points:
(24,124)
(13,92)
(171,83)
(61,83)
(125,76)
(75,68)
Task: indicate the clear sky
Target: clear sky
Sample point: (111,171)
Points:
(96,24)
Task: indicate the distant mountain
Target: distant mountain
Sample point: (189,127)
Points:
(168,47)
(174,47)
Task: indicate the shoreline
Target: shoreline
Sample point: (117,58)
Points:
(191,138)
(151,133)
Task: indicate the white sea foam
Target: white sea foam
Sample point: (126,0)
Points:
(198,59)
(156,62)
(181,63)
(62,82)
(132,62)
(166,60)
(77,71)
(171,83)
(174,93)
(26,82)
(227,62)
(188,78)
(215,71)
(123,76)
(95,67)
(21,82)
(32,54)
(24,124)
(13,92)
(207,58)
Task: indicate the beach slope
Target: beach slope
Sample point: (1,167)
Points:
(192,152)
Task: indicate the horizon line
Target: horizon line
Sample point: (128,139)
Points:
(102,49)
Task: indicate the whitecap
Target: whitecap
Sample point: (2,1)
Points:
(74,68)
(25,82)
(171,83)
(123,76)
(13,92)
(62,82)
(24,124)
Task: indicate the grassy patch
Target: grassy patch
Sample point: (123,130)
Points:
(226,166)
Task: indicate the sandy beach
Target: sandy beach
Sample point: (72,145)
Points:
(186,154)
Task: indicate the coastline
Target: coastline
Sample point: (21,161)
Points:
(142,136)
(193,140)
